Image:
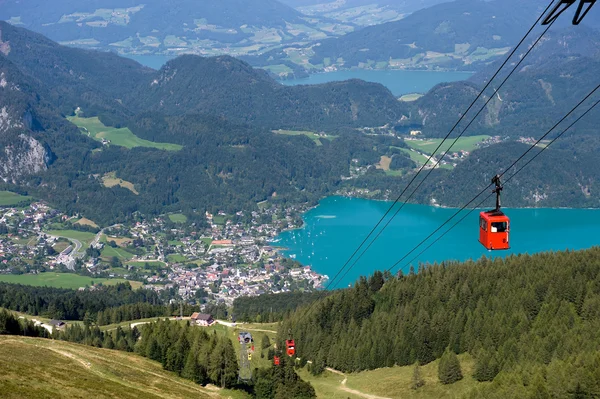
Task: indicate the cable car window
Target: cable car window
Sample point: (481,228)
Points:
(499,227)
(483,224)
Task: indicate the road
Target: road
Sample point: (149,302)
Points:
(353,391)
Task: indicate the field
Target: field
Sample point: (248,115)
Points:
(36,368)
(59,280)
(464,144)
(8,198)
(153,264)
(178,218)
(86,222)
(108,252)
(392,382)
(95,129)
(313,136)
(411,97)
(176,258)
(110,180)
(83,236)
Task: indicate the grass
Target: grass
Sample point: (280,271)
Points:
(313,136)
(411,97)
(463,143)
(176,258)
(142,264)
(108,252)
(123,137)
(178,218)
(419,158)
(394,382)
(8,198)
(110,180)
(219,219)
(83,236)
(86,222)
(36,368)
(60,280)
(384,163)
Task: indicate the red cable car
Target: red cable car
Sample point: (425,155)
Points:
(276,360)
(290,347)
(494,225)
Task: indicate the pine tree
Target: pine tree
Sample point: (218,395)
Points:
(449,368)
(417,380)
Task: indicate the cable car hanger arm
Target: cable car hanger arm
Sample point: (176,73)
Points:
(563,5)
(497,190)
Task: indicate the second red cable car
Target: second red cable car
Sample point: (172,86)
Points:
(290,347)
(494,225)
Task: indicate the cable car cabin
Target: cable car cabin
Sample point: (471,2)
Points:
(494,227)
(276,360)
(290,347)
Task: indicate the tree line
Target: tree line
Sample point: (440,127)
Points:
(523,318)
(66,304)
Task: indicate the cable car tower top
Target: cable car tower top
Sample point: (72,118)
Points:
(562,7)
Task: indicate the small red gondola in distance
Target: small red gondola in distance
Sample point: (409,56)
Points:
(290,347)
(494,225)
(276,360)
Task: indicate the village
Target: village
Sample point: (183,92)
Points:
(227,257)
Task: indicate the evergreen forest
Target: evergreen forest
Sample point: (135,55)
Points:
(531,323)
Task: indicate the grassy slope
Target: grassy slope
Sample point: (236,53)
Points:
(122,137)
(178,218)
(8,198)
(35,367)
(60,280)
(463,143)
(394,382)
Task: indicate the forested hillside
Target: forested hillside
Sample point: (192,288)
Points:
(524,318)
(233,89)
(553,78)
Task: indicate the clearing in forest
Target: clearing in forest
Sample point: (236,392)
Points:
(8,198)
(311,135)
(94,128)
(463,144)
(110,180)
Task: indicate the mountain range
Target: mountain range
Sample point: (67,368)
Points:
(463,34)
(169,27)
(222,114)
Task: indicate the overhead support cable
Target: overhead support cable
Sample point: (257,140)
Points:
(440,158)
(502,174)
(332,282)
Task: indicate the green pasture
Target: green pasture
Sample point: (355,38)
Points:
(58,280)
(8,198)
(95,129)
(178,218)
(311,135)
(463,144)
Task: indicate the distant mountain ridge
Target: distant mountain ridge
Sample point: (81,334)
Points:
(463,34)
(167,26)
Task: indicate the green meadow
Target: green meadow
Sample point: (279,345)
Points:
(123,137)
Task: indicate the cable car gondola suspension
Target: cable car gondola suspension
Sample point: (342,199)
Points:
(563,5)
(494,225)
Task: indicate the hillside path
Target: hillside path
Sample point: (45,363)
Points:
(353,391)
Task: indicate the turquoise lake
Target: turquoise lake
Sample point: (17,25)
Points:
(399,82)
(335,228)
